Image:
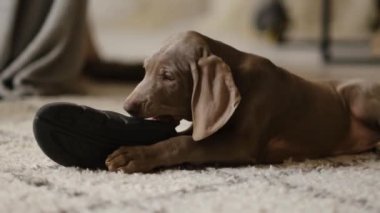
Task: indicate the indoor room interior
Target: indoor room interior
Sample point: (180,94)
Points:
(318,40)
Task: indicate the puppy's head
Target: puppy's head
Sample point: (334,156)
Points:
(184,80)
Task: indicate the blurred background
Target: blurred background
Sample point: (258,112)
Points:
(46,45)
(323,38)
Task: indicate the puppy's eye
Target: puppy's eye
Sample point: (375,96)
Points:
(166,75)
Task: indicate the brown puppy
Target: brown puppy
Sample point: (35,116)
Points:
(244,109)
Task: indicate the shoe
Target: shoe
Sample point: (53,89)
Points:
(80,136)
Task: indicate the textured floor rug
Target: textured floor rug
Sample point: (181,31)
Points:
(30,182)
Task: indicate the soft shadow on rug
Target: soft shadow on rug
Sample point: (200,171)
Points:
(30,182)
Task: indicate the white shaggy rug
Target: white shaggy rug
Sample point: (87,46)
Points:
(30,182)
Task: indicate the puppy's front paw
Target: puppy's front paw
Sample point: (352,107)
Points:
(132,159)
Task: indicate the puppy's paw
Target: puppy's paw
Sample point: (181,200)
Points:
(132,159)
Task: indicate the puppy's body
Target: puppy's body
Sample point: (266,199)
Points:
(292,117)
(283,116)
(245,109)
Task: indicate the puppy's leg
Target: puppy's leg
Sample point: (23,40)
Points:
(363,100)
(176,151)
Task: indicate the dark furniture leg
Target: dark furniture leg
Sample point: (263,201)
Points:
(326,42)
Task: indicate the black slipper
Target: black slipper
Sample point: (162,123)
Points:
(74,135)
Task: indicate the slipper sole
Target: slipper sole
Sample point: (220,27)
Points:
(80,136)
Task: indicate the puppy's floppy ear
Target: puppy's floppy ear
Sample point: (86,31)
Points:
(215,96)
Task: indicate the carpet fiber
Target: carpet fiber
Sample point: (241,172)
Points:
(30,182)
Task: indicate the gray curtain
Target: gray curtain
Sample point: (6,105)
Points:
(42,46)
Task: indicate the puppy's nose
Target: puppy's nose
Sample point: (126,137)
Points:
(133,108)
